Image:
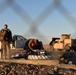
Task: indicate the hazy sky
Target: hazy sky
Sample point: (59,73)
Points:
(53,25)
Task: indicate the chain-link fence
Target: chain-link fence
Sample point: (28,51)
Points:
(35,24)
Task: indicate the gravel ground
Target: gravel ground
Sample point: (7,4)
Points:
(25,69)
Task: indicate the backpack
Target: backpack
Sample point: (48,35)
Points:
(36,44)
(32,42)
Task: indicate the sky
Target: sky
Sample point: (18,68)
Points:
(53,25)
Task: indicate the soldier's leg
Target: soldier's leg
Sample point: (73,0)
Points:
(8,50)
(3,50)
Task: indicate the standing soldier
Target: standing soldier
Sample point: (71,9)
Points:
(7,39)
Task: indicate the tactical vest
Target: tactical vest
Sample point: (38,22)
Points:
(5,35)
(2,35)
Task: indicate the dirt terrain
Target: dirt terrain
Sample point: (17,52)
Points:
(55,55)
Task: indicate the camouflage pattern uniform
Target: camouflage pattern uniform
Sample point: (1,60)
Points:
(6,44)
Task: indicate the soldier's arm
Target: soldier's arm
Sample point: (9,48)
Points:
(29,45)
(10,35)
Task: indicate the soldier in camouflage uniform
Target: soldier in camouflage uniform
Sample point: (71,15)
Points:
(7,39)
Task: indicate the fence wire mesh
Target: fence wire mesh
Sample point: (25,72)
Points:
(35,24)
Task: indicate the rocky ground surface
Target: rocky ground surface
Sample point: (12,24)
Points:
(26,69)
